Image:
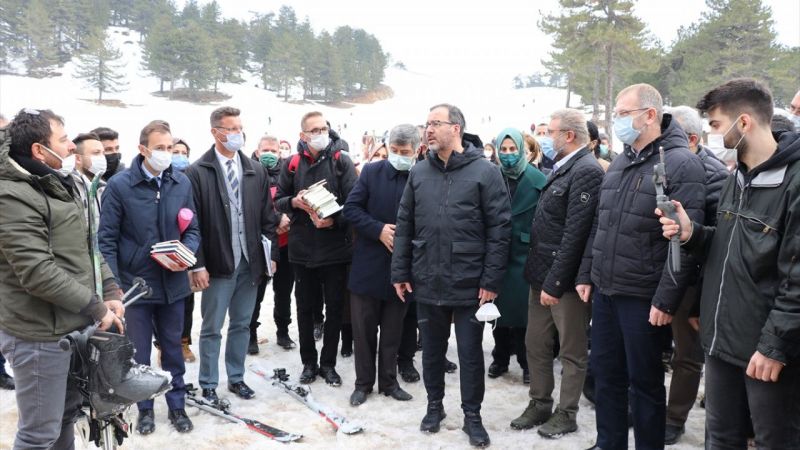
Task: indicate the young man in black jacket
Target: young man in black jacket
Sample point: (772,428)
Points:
(637,293)
(319,248)
(451,248)
(750,306)
(234,208)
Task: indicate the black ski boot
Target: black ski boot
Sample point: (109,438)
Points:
(433,418)
(473,426)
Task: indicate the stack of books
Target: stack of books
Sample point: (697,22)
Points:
(323,202)
(168,253)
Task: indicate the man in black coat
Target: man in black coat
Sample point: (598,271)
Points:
(234,208)
(372,210)
(319,248)
(637,293)
(687,359)
(451,248)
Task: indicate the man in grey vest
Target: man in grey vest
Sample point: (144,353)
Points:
(234,208)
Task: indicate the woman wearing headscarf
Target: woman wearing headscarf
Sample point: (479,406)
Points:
(524,182)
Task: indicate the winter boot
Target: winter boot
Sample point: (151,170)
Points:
(473,426)
(559,424)
(433,418)
(188,356)
(535,414)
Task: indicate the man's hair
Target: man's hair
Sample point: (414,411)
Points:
(177,140)
(689,119)
(156,126)
(30,127)
(572,120)
(307,116)
(739,96)
(79,139)
(105,133)
(594,133)
(781,123)
(405,134)
(222,112)
(454,115)
(648,97)
(269,138)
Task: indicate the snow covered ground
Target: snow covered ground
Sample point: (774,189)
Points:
(388,423)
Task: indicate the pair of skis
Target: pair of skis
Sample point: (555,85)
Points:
(302,393)
(222,409)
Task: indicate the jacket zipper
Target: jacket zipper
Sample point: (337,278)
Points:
(724,269)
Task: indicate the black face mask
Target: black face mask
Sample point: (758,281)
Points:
(112,161)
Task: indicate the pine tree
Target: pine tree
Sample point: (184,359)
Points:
(159,52)
(101,69)
(36,27)
(194,57)
(260,35)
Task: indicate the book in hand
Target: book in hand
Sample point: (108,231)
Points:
(321,200)
(170,253)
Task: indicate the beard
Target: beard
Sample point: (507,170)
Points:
(737,142)
(434,148)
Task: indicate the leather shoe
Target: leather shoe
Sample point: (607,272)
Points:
(673,433)
(330,376)
(285,342)
(358,397)
(496,369)
(146,423)
(450,366)
(180,420)
(408,372)
(309,373)
(242,390)
(398,394)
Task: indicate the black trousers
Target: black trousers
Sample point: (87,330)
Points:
(774,407)
(367,315)
(434,328)
(282,285)
(332,281)
(408,342)
(509,341)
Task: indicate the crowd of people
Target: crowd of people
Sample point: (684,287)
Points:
(563,245)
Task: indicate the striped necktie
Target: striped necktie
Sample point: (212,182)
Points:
(233,180)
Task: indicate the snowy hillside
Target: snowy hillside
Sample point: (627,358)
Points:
(389,424)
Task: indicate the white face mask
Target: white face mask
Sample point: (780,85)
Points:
(99,164)
(67,163)
(319,141)
(716,143)
(286,153)
(160,160)
(488,312)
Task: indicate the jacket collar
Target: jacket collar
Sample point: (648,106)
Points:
(767,179)
(581,153)
(137,176)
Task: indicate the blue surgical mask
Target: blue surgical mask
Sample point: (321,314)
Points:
(401,163)
(623,128)
(234,142)
(509,160)
(603,150)
(546,143)
(796,122)
(180,162)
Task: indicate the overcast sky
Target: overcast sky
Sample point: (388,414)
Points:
(483,41)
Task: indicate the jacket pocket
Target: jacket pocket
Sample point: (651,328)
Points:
(419,268)
(467,263)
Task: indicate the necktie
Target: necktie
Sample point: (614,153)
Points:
(233,180)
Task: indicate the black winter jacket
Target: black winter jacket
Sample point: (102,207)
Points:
(716,174)
(453,229)
(562,225)
(628,250)
(751,288)
(309,245)
(213,213)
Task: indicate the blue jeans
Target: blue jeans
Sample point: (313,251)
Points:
(626,351)
(237,297)
(47,400)
(167,321)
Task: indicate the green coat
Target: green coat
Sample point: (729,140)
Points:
(513,299)
(46,277)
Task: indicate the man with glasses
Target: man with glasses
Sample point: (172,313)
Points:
(234,208)
(794,109)
(636,292)
(451,248)
(320,249)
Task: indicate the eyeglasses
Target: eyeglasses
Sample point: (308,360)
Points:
(231,130)
(437,123)
(317,131)
(626,112)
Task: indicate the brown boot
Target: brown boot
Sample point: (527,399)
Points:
(188,356)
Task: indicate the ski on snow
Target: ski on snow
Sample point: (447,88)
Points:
(223,410)
(302,393)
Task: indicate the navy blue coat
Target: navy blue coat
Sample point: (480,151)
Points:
(136,214)
(372,203)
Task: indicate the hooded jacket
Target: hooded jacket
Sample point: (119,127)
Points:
(46,270)
(751,288)
(628,251)
(453,229)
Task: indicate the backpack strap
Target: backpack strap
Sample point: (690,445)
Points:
(294,163)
